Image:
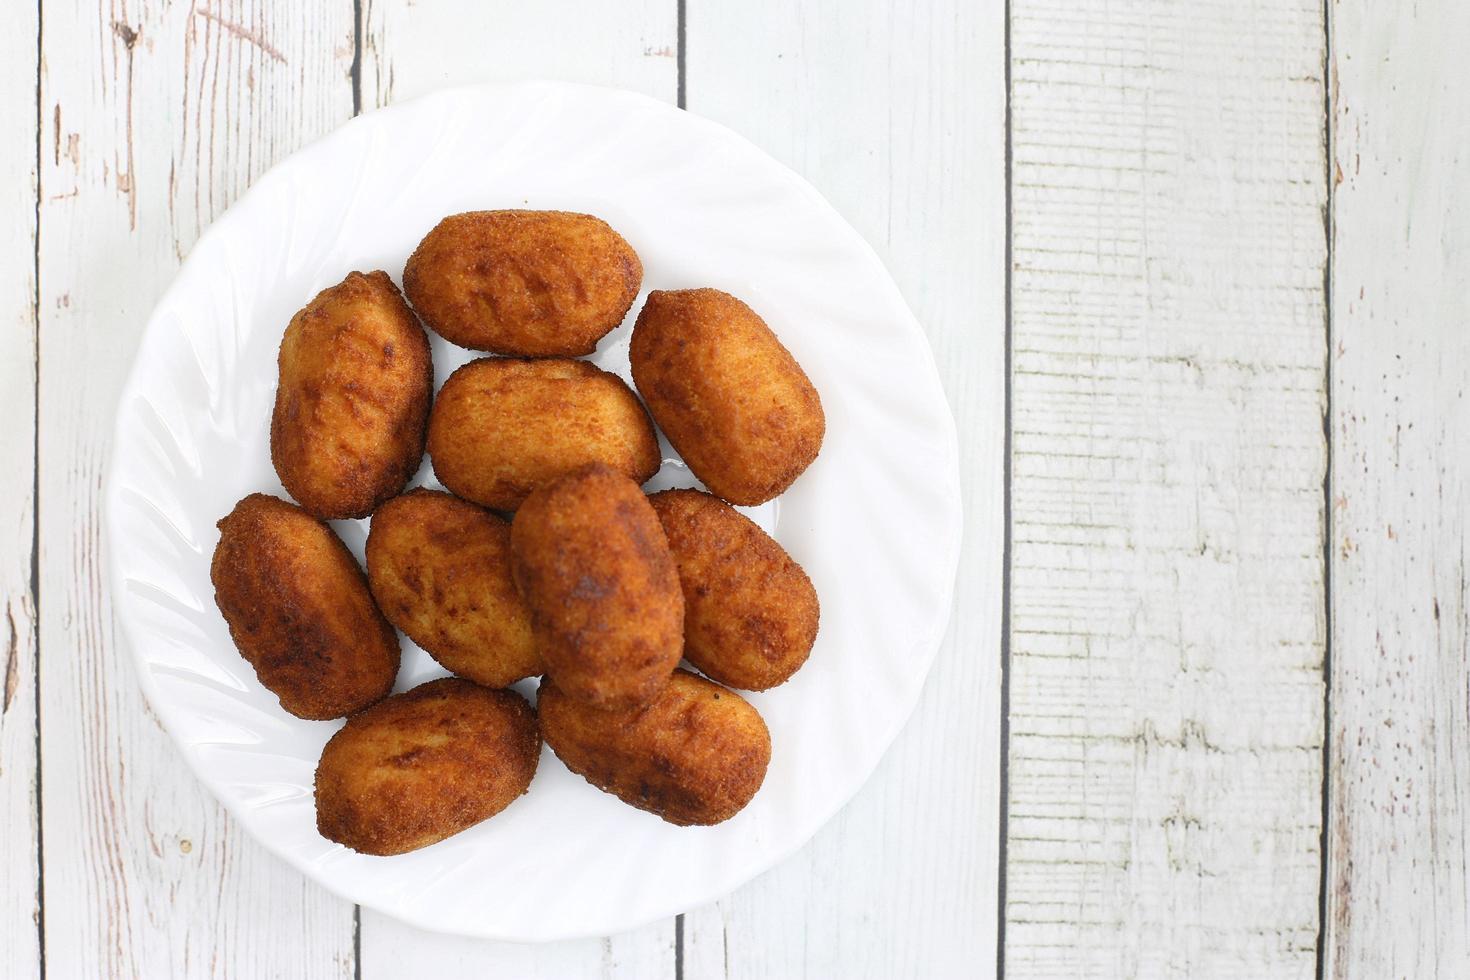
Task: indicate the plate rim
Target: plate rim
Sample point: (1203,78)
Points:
(134,634)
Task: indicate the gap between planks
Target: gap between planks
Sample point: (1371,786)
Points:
(1003,818)
(1328,534)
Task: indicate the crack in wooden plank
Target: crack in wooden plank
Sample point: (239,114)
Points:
(12,661)
(126,180)
(245,34)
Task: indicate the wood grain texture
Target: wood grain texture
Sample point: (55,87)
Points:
(412,48)
(1167,603)
(896,113)
(1400,787)
(155,115)
(20,910)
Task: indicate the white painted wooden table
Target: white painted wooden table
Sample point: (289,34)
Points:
(1216,447)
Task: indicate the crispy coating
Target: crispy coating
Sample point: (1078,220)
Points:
(503,427)
(347,431)
(525,283)
(299,610)
(425,765)
(731,399)
(606,609)
(440,570)
(750,612)
(695,756)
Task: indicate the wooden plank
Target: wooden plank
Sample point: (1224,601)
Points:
(20,896)
(391,950)
(412,48)
(1399,787)
(896,113)
(155,115)
(1167,604)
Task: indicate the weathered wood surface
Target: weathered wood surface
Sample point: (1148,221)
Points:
(154,117)
(1169,376)
(1400,738)
(20,900)
(902,882)
(1167,620)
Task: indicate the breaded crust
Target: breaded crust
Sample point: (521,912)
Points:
(299,610)
(695,756)
(425,765)
(502,427)
(356,379)
(730,397)
(524,283)
(750,612)
(439,568)
(606,609)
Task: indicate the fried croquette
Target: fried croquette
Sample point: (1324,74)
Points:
(425,765)
(750,612)
(606,608)
(347,431)
(524,283)
(731,399)
(439,568)
(696,755)
(299,610)
(502,427)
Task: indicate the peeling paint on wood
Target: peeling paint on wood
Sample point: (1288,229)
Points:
(151,132)
(1397,903)
(20,909)
(1168,625)
(1168,457)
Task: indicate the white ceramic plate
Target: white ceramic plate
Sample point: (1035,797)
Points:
(875,521)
